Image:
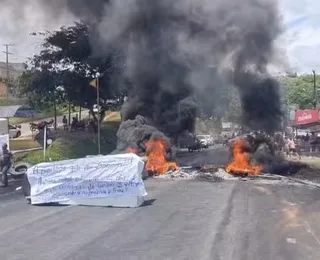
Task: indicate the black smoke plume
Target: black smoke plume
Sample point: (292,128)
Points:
(182,54)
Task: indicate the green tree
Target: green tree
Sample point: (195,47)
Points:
(63,69)
(300,90)
(14,86)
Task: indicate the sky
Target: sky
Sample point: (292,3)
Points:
(301,20)
(300,40)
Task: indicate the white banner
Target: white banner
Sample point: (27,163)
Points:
(85,178)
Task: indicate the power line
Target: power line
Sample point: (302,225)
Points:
(7,57)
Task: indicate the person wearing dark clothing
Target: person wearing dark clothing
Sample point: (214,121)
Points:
(73,123)
(6,163)
(307,137)
(313,141)
(65,123)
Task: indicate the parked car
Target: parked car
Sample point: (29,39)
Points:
(196,145)
(14,131)
(205,140)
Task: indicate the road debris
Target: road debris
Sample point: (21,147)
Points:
(179,174)
(215,173)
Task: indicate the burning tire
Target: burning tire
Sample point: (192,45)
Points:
(19,170)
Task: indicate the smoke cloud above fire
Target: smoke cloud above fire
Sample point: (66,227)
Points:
(181,55)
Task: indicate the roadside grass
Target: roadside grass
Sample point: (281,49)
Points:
(77,145)
(312,161)
(112,117)
(23,144)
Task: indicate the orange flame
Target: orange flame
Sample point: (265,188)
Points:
(132,150)
(241,164)
(157,162)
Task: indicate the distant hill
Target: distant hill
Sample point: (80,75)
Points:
(15,69)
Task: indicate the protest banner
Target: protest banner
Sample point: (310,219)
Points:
(67,181)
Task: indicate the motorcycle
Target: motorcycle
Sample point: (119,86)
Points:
(17,170)
(41,125)
(50,123)
(33,127)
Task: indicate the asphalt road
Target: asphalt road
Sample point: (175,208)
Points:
(181,220)
(216,154)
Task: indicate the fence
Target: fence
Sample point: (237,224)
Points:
(308,149)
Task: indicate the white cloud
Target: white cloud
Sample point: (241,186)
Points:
(301,40)
(17,21)
(302,36)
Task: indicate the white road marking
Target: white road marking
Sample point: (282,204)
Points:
(309,230)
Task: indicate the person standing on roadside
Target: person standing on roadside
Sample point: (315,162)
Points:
(292,148)
(6,163)
(286,146)
(65,123)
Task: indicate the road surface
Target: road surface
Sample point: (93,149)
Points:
(25,127)
(216,154)
(183,219)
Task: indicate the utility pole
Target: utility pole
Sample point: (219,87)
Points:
(69,111)
(314,90)
(7,64)
(7,57)
(96,83)
(98,104)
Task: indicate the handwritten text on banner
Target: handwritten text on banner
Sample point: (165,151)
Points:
(93,177)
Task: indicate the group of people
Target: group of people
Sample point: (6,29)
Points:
(74,122)
(290,147)
(77,124)
(276,142)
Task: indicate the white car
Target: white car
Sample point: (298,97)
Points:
(14,131)
(205,141)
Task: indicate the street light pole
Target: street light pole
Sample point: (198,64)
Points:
(314,90)
(98,114)
(97,78)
